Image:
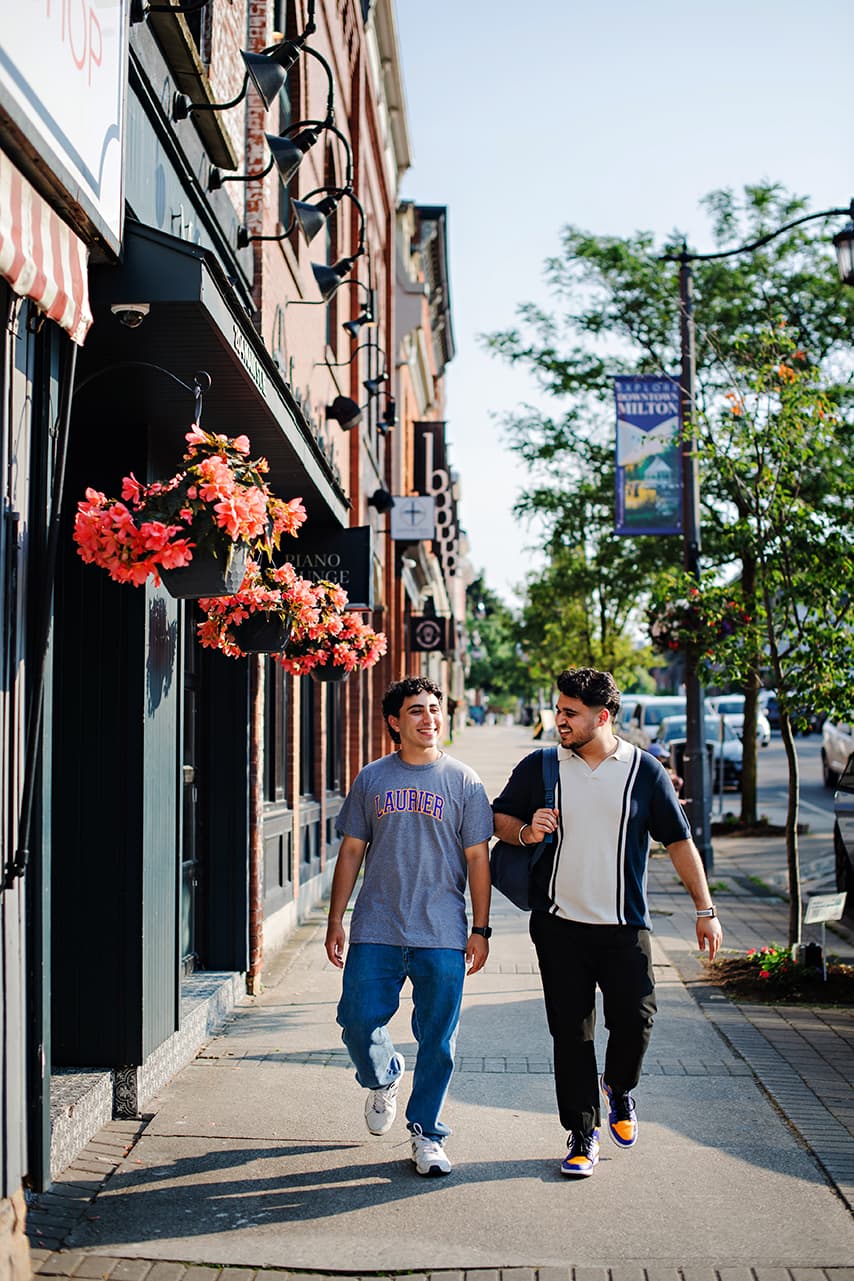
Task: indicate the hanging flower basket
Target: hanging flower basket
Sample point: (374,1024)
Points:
(219,501)
(702,619)
(319,632)
(327,673)
(258,618)
(262,633)
(335,644)
(209,573)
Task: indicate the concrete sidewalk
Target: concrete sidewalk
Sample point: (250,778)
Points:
(256,1156)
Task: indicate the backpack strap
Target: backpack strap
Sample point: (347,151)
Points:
(549,762)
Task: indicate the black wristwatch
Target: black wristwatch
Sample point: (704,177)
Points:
(485,931)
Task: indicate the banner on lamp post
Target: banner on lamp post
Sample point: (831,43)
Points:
(649,459)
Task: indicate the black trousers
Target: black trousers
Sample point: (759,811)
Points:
(574,959)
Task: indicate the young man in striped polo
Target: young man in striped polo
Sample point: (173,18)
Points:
(590,918)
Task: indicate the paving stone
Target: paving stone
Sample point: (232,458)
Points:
(62,1263)
(71,1191)
(96,1266)
(166,1272)
(131,1270)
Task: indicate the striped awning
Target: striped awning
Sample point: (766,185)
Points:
(40,256)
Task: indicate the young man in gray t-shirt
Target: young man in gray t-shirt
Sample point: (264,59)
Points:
(421,823)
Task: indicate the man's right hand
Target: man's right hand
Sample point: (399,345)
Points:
(335,940)
(543,823)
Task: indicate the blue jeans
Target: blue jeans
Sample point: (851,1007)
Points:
(374,974)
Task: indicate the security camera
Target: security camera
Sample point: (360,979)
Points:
(131,314)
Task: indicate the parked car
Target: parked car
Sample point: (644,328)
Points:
(837,744)
(843,829)
(769,705)
(731,708)
(641,715)
(807,722)
(629,710)
(672,733)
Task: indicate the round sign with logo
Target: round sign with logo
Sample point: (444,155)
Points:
(428,634)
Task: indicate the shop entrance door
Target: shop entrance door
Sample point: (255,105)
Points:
(191,871)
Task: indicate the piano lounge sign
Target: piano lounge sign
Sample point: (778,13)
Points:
(343,557)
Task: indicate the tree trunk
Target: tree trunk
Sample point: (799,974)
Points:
(749,749)
(751,702)
(792,809)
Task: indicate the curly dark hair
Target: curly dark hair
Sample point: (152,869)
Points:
(591,687)
(394,697)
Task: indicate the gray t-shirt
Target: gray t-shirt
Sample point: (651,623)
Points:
(418,820)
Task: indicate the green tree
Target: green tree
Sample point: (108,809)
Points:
(616,305)
(775,447)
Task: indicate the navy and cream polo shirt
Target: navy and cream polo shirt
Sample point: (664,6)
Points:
(595,871)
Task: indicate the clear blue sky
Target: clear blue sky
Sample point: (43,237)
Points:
(615,116)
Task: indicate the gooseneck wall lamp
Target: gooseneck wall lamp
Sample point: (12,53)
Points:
(287,154)
(345,412)
(696,762)
(264,70)
(389,418)
(382,500)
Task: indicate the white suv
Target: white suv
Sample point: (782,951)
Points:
(641,715)
(837,744)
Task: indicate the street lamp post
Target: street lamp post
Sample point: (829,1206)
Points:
(697,771)
(696,760)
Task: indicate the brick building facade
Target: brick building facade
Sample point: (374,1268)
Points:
(186,798)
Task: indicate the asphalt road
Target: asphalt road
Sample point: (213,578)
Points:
(816,810)
(773,777)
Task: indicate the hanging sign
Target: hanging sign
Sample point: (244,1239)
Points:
(343,557)
(426,634)
(413,518)
(649,461)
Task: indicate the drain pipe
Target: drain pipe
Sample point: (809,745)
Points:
(256,824)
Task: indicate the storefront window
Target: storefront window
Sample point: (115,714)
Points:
(276,688)
(334,737)
(307,741)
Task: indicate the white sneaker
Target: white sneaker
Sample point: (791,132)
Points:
(381,1105)
(429,1156)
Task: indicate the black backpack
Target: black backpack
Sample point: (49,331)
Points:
(510,866)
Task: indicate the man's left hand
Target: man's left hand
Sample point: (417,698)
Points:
(709,931)
(477,952)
